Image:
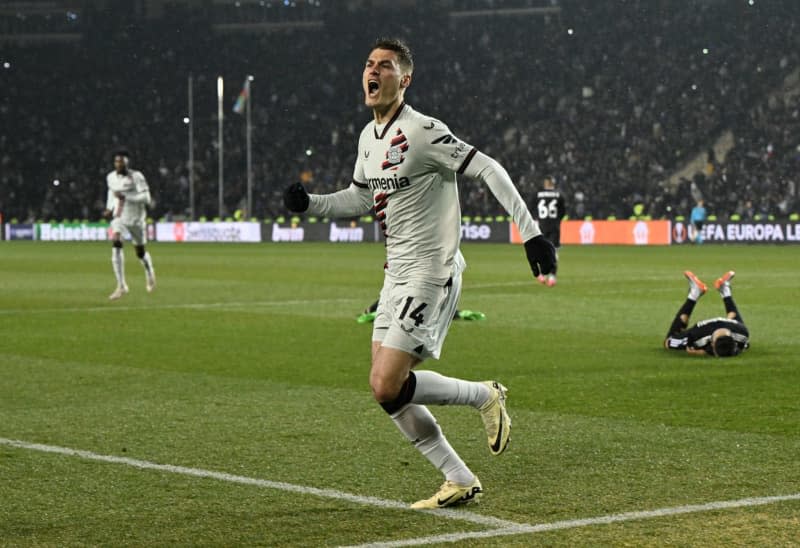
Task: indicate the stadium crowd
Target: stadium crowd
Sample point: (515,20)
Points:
(608,98)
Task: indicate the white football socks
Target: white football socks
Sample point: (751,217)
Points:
(725,290)
(433,388)
(118,262)
(147,263)
(419,425)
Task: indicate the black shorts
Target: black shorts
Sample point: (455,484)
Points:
(554,235)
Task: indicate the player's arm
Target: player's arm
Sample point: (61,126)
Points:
(540,252)
(675,342)
(562,209)
(696,351)
(494,175)
(111,203)
(684,340)
(352,201)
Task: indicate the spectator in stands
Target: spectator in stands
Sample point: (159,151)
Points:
(613,107)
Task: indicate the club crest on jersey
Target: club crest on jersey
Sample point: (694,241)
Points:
(394,156)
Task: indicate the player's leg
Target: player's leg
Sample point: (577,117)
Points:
(117,261)
(541,278)
(411,324)
(698,230)
(461,486)
(369,313)
(147,263)
(432,388)
(696,290)
(393,367)
(555,239)
(414,318)
(723,285)
(139,238)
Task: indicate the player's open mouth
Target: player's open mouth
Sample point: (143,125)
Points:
(372,88)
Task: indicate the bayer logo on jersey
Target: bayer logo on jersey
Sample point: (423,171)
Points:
(394,156)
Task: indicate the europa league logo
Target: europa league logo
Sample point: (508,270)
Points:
(679,233)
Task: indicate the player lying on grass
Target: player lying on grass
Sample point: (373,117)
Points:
(721,337)
(406,166)
(371,311)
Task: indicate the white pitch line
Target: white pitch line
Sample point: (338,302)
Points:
(245,480)
(524,529)
(111,307)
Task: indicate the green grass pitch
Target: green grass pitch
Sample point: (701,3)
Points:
(247,361)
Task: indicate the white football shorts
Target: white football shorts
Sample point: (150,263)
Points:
(136,230)
(414,316)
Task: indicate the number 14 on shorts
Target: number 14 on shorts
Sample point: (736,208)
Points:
(415,314)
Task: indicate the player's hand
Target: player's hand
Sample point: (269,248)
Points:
(541,255)
(295,198)
(107,214)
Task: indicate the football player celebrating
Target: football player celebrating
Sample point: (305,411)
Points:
(406,170)
(128,198)
(721,337)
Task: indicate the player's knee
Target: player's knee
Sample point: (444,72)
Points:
(117,243)
(140,251)
(383,389)
(392,397)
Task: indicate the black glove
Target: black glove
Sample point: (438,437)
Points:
(541,255)
(295,198)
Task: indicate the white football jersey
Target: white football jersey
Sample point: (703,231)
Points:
(410,165)
(137,196)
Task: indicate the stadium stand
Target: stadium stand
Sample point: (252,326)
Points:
(609,98)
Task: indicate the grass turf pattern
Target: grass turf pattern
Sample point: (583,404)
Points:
(247,360)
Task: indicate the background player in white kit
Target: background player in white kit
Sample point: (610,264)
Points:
(406,169)
(128,198)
